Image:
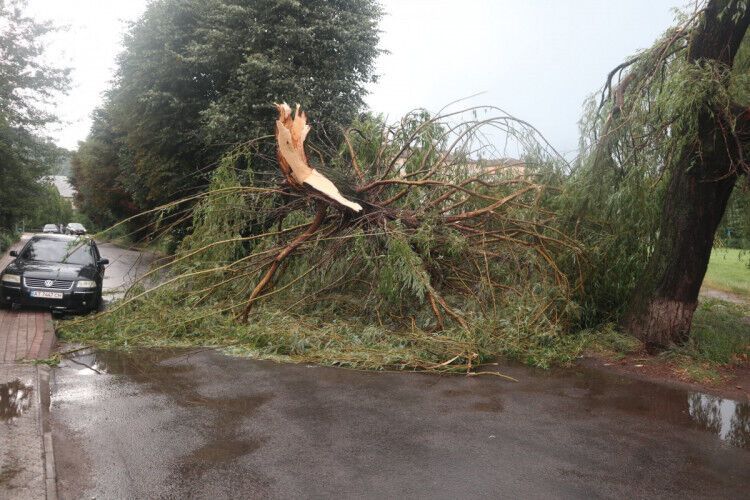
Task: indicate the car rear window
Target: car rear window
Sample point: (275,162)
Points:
(70,252)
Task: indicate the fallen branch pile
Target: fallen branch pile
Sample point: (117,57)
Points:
(450,198)
(404,228)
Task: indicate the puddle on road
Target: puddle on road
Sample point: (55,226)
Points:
(728,419)
(15,400)
(587,390)
(133,363)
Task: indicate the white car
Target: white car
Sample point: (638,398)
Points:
(51,229)
(75,228)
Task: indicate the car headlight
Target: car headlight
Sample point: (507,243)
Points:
(12,278)
(86,284)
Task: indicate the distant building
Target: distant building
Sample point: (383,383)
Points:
(505,167)
(64,187)
(501,167)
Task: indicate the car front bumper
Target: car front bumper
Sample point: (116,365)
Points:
(72,301)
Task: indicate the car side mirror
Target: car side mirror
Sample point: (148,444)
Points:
(13,253)
(103,262)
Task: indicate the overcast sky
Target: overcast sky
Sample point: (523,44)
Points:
(538,59)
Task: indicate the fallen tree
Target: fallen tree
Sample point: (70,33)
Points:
(451,199)
(446,259)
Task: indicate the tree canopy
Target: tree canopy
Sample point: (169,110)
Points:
(27,84)
(664,144)
(198,77)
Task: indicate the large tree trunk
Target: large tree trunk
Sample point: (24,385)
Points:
(661,310)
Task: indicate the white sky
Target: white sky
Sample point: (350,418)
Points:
(89,46)
(538,59)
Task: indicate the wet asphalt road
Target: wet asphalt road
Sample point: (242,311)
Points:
(157,424)
(125,266)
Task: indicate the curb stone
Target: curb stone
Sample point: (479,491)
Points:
(48,453)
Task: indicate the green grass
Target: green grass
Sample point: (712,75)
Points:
(728,271)
(721,332)
(608,341)
(7,239)
(698,372)
(720,338)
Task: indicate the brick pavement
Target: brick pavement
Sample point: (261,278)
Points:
(25,334)
(27,467)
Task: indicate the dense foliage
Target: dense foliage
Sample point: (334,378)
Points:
(734,231)
(26,87)
(198,77)
(451,262)
(633,136)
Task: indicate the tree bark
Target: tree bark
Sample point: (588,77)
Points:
(661,310)
(320,216)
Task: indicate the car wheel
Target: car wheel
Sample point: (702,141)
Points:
(96,306)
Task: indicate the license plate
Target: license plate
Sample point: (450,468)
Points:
(46,295)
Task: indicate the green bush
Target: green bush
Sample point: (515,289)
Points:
(7,238)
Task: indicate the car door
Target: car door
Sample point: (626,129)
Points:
(99,264)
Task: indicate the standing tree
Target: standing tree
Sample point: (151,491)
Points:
(26,86)
(669,140)
(198,77)
(102,193)
(714,139)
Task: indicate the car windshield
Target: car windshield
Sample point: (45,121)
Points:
(63,251)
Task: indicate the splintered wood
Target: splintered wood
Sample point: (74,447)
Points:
(418,200)
(290,138)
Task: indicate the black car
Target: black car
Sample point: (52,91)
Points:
(58,272)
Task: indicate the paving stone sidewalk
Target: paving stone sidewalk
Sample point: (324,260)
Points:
(23,464)
(26,460)
(24,334)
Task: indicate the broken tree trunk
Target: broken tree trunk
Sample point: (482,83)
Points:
(291,132)
(290,139)
(456,200)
